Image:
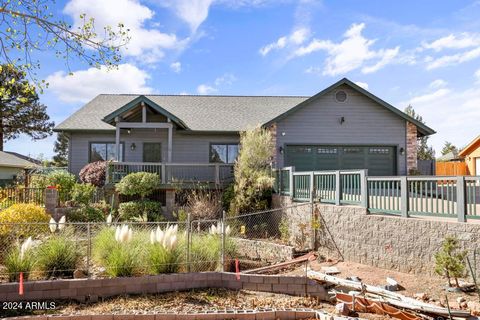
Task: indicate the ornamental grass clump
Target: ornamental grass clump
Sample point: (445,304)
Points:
(163,252)
(58,255)
(20,259)
(118,251)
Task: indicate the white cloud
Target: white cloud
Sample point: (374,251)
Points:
(84,85)
(477,75)
(429,96)
(458,107)
(149,44)
(461,41)
(176,66)
(438,83)
(193,12)
(206,89)
(364,85)
(297,37)
(453,59)
(351,53)
(224,80)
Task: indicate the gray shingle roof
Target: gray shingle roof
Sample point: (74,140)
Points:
(11,160)
(201,113)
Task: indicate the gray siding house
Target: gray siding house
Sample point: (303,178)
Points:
(195,138)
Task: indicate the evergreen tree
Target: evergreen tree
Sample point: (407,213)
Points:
(61,149)
(450,260)
(20,109)
(424,151)
(253,178)
(449,147)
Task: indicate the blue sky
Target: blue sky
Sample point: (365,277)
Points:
(426,53)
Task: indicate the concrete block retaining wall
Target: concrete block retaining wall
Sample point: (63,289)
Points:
(390,242)
(93,289)
(268,314)
(262,250)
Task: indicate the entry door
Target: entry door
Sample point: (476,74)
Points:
(152,152)
(477,166)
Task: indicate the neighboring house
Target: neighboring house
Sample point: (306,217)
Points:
(187,137)
(13,164)
(450,156)
(471,154)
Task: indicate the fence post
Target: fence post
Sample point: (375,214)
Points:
(89,248)
(164,178)
(363,189)
(338,193)
(223,240)
(291,185)
(461,201)
(404,196)
(312,187)
(217,174)
(189,238)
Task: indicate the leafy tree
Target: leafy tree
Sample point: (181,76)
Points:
(20,109)
(450,261)
(424,151)
(60,147)
(449,147)
(30,26)
(94,173)
(253,179)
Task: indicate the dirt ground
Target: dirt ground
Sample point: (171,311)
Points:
(216,299)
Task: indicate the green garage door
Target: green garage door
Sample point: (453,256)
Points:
(379,160)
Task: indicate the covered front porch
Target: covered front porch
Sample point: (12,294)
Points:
(150,139)
(178,174)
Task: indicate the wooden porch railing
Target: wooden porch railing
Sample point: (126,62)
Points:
(216,173)
(448,196)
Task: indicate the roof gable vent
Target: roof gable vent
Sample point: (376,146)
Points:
(340,96)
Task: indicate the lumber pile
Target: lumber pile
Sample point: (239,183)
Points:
(367,298)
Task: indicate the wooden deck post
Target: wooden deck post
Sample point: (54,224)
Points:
(461,201)
(404,196)
(291,185)
(363,189)
(338,192)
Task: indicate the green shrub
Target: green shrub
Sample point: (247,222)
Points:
(228,197)
(64,181)
(58,255)
(82,193)
(18,214)
(86,214)
(141,211)
(138,183)
(15,263)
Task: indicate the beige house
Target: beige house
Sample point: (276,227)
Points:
(12,164)
(471,154)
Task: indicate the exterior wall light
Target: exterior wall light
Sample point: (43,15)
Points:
(280,149)
(342,120)
(133,146)
(402,151)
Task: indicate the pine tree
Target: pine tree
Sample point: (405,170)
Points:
(20,109)
(424,151)
(450,261)
(61,149)
(449,147)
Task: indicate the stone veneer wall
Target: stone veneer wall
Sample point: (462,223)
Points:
(93,289)
(390,242)
(262,250)
(411,144)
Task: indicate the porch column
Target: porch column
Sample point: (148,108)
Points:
(169,148)
(117,139)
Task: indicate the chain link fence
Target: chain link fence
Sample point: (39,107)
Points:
(47,250)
